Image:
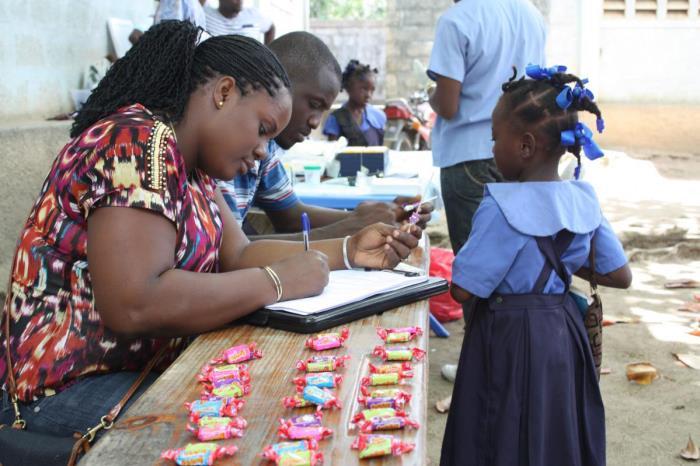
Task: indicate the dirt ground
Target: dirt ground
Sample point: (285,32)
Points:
(650,191)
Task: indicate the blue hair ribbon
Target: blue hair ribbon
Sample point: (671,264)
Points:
(539,73)
(582,135)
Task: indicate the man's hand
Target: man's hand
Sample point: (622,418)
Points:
(382,246)
(424,210)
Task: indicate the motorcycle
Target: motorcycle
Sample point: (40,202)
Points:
(409,122)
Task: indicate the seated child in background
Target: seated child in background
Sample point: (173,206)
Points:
(361,123)
(526,391)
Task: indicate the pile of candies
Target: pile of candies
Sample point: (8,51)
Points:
(216,416)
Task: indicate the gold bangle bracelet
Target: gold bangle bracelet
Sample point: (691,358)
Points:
(275,281)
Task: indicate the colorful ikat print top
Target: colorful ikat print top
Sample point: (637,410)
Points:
(128,159)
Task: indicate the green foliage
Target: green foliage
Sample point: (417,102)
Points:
(348,9)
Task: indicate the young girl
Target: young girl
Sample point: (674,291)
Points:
(360,122)
(526,391)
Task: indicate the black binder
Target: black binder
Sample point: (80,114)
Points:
(349,312)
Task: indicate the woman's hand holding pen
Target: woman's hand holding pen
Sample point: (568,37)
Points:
(303,274)
(382,246)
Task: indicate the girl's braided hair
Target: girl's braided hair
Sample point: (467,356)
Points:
(534,102)
(167,65)
(355,69)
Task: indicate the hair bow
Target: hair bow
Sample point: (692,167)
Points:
(539,73)
(567,95)
(582,135)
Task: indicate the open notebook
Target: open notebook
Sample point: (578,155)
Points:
(348,286)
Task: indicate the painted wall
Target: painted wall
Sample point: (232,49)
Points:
(46,45)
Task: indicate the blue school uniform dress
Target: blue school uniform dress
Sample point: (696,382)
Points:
(526,391)
(368,133)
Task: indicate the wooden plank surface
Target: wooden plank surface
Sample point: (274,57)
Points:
(157,420)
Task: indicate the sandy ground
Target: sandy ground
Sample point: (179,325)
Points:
(651,195)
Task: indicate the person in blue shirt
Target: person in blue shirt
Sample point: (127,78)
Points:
(477,42)
(526,391)
(361,123)
(316,81)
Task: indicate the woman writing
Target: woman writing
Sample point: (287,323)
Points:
(130,244)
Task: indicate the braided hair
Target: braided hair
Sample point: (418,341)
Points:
(533,102)
(355,69)
(167,65)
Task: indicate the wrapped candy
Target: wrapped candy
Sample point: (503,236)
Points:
(396,401)
(292,432)
(321,397)
(204,454)
(385,393)
(322,363)
(230,390)
(373,446)
(325,341)
(296,401)
(218,428)
(299,453)
(394,368)
(222,375)
(305,420)
(215,407)
(387,423)
(399,335)
(399,353)
(384,379)
(369,414)
(238,354)
(319,379)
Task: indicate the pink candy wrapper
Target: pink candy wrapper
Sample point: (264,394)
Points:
(200,454)
(296,401)
(238,354)
(375,380)
(374,446)
(222,375)
(325,341)
(399,353)
(230,390)
(218,428)
(304,433)
(215,407)
(302,453)
(396,401)
(305,420)
(322,363)
(403,368)
(389,423)
(382,413)
(399,335)
(319,379)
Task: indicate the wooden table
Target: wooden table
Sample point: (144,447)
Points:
(157,420)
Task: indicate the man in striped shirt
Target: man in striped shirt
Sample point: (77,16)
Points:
(315,76)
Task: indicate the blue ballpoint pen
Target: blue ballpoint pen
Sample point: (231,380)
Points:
(306,229)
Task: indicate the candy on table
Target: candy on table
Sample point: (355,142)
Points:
(319,379)
(214,407)
(292,432)
(237,354)
(373,446)
(384,379)
(322,363)
(325,341)
(399,335)
(397,402)
(218,428)
(204,454)
(296,401)
(230,390)
(302,453)
(369,414)
(393,368)
(387,423)
(398,353)
(321,397)
(385,393)
(220,375)
(305,420)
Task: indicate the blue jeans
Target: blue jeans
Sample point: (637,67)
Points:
(77,408)
(462,191)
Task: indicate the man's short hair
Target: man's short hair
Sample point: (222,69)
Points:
(303,55)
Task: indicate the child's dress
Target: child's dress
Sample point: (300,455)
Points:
(369,133)
(526,391)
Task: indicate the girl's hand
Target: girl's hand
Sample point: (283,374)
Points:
(381,246)
(302,275)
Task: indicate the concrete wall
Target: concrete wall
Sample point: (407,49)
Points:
(360,39)
(46,45)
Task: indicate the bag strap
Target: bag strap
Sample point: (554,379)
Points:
(552,250)
(349,127)
(18,423)
(591,263)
